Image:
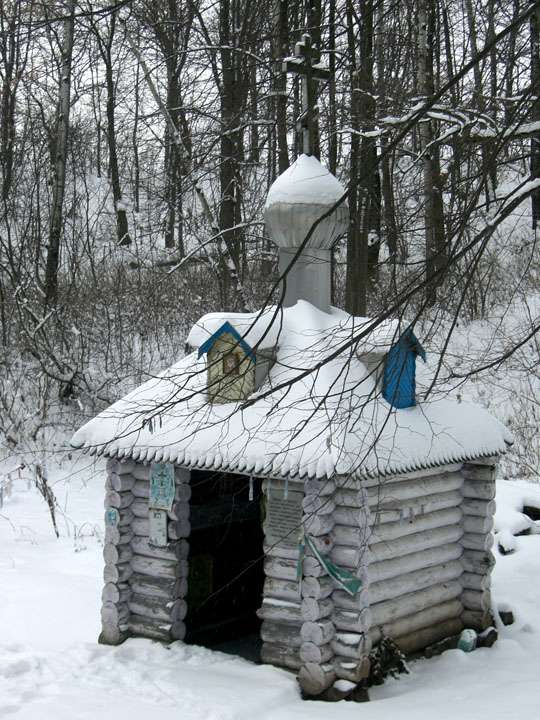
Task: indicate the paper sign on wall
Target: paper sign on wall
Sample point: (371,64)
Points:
(158,527)
(161,486)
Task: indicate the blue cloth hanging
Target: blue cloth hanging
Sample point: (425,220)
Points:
(399,377)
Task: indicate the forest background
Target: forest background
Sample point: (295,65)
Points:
(138,140)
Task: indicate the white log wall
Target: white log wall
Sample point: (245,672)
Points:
(352,616)
(478,560)
(415,538)
(145,585)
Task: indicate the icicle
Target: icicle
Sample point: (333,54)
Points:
(269,487)
(251,488)
(286,492)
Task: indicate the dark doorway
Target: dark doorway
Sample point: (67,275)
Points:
(226,572)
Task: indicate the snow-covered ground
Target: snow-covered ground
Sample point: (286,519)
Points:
(52,667)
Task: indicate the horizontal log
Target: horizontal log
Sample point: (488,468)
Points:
(353,621)
(159,587)
(279,550)
(480,508)
(120,467)
(350,536)
(357,602)
(398,492)
(391,610)
(420,639)
(112,635)
(156,567)
(118,535)
(280,610)
(351,670)
(178,630)
(114,554)
(474,561)
(141,472)
(478,525)
(352,517)
(350,557)
(118,500)
(312,568)
(312,609)
(319,487)
(474,541)
(417,580)
(316,525)
(420,523)
(157,608)
(115,592)
(280,655)
(318,633)
(139,508)
(280,568)
(141,489)
(180,511)
(318,504)
(415,543)
(114,613)
(423,474)
(121,483)
(281,589)
(428,618)
(403,512)
(318,588)
(478,620)
(476,600)
(176,550)
(182,475)
(478,473)
(318,654)
(117,573)
(479,490)
(394,567)
(473,581)
(354,646)
(144,627)
(124,521)
(281,633)
(178,529)
(314,678)
(491,461)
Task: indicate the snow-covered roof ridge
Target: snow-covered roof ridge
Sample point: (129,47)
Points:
(318,413)
(258,329)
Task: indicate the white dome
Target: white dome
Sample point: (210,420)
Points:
(299,197)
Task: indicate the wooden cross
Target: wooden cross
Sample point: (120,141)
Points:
(302,64)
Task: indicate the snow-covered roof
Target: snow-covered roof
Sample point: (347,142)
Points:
(259,329)
(318,413)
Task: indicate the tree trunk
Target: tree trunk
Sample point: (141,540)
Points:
(535,111)
(280,41)
(122,230)
(433,208)
(61,150)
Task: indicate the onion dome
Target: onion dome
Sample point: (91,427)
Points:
(298,198)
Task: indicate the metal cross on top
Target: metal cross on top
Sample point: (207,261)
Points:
(302,64)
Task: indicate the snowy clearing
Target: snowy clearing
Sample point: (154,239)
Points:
(52,667)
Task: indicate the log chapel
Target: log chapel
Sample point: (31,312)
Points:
(283,482)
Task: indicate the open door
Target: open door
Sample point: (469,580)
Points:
(226,572)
